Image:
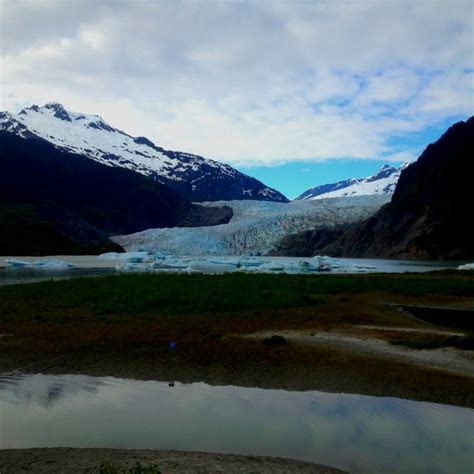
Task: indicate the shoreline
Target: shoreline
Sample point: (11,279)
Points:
(340,333)
(72,460)
(322,362)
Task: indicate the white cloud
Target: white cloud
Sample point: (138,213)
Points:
(247,82)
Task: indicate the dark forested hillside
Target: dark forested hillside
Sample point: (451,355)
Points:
(54,202)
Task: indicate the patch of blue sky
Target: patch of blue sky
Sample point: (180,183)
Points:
(295,177)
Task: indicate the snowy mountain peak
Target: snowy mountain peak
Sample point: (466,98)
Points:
(385,171)
(54,106)
(382,181)
(197,178)
(57,110)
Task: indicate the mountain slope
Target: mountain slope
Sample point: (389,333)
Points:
(196,178)
(53,201)
(381,182)
(429,216)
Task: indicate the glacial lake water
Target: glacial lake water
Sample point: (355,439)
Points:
(90,266)
(357,433)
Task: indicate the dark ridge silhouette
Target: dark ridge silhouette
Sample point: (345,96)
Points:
(429,216)
(55,202)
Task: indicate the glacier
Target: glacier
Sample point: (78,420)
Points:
(255,228)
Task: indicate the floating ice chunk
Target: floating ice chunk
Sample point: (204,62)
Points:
(160,255)
(47,264)
(170,263)
(109,256)
(272,266)
(133,257)
(53,264)
(466,266)
(13,262)
(205,266)
(251,262)
(235,262)
(304,266)
(325,264)
(132,267)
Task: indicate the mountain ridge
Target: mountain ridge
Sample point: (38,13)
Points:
(383,181)
(53,202)
(427,217)
(195,177)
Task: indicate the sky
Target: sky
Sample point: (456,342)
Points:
(296,93)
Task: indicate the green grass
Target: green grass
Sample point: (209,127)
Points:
(171,294)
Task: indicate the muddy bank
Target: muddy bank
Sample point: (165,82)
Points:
(69,460)
(328,363)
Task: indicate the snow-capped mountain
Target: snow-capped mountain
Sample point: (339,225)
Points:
(195,177)
(383,181)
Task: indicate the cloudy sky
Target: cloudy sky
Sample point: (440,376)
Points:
(282,89)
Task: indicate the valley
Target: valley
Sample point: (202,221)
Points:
(235,237)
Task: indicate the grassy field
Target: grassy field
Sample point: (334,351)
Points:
(122,325)
(174,294)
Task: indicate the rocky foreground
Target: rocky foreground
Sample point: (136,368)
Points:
(69,460)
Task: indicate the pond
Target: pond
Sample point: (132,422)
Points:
(353,432)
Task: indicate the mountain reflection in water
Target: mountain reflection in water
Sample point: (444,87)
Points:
(354,432)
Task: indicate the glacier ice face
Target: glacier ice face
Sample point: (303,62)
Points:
(255,228)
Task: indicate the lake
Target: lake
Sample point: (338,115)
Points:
(357,433)
(88,265)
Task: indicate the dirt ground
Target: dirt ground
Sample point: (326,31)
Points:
(341,345)
(67,460)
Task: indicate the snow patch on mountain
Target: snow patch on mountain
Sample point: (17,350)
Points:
(89,135)
(256,227)
(383,181)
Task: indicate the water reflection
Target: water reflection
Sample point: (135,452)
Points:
(353,432)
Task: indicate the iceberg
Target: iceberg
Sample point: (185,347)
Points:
(133,257)
(325,263)
(13,262)
(47,264)
(305,267)
(272,266)
(205,266)
(171,263)
(53,264)
(235,262)
(131,267)
(251,262)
